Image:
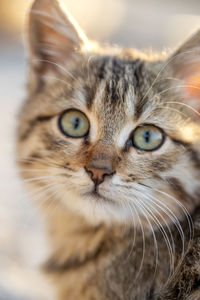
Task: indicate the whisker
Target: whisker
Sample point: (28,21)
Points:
(171,248)
(143,242)
(134,229)
(33,170)
(163,68)
(176,102)
(58,79)
(39,160)
(57,65)
(172,109)
(142,210)
(185,211)
(51,198)
(168,212)
(174,220)
(45,163)
(169,78)
(184,104)
(39,178)
(123,204)
(35,191)
(37,195)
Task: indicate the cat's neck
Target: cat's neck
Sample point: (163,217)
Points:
(82,252)
(73,239)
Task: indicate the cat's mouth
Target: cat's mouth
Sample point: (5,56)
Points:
(96,195)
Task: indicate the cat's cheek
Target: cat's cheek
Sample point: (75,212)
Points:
(29,148)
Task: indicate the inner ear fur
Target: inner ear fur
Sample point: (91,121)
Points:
(55,39)
(184,65)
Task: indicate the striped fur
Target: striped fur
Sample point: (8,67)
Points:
(130,241)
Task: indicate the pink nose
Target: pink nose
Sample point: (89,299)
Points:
(98,174)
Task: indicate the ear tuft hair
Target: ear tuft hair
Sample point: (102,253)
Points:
(185,66)
(55,39)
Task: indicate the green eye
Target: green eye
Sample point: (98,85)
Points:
(74,123)
(148,137)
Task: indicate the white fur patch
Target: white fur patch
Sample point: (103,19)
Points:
(124,134)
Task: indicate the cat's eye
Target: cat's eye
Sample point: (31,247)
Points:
(148,138)
(74,123)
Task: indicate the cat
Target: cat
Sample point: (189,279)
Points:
(109,146)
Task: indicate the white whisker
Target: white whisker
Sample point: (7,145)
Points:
(185,211)
(173,218)
(163,68)
(39,178)
(143,241)
(58,79)
(184,104)
(43,161)
(145,212)
(172,109)
(134,228)
(171,248)
(37,195)
(55,64)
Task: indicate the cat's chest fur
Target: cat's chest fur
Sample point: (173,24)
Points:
(109,144)
(103,263)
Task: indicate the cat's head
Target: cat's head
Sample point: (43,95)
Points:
(110,134)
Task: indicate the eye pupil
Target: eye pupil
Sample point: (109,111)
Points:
(76,123)
(147,136)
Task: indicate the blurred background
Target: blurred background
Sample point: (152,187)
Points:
(155,24)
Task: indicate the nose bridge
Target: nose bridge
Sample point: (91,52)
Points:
(100,162)
(102,156)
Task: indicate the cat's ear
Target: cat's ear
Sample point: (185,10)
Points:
(55,40)
(185,66)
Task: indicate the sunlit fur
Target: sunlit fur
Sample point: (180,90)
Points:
(117,90)
(138,173)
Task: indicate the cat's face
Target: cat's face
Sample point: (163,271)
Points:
(103,132)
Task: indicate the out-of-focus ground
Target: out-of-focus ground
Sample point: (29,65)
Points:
(143,24)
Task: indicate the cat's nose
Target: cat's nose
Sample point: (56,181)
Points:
(98,174)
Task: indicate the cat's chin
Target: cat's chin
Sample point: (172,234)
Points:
(97,196)
(96,208)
